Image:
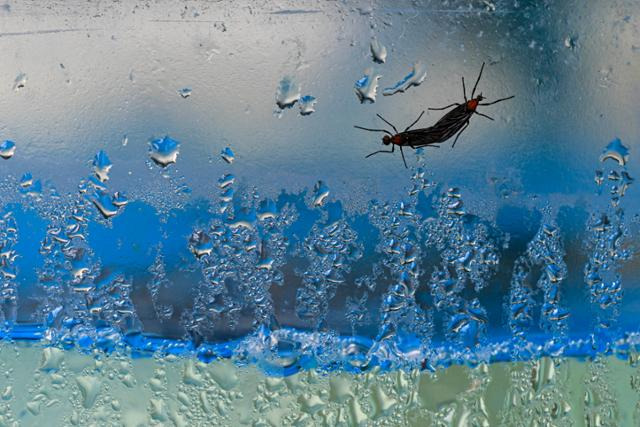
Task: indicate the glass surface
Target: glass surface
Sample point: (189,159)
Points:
(192,234)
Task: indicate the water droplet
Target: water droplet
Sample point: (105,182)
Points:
(227,155)
(226,180)
(158,410)
(357,354)
(164,151)
(320,193)
(570,42)
(89,387)
(200,244)
(227,195)
(102,165)
(119,199)
(190,375)
(311,403)
(97,184)
(7,149)
(307,105)
(599,178)
(265,264)
(224,374)
(549,230)
(185,92)
(51,359)
(617,151)
(625,181)
(288,93)
(29,185)
(383,403)
(554,273)
(105,205)
(7,394)
(415,77)
(367,87)
(20,82)
(267,209)
(378,51)
(34,407)
(244,218)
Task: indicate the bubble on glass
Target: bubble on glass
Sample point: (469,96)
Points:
(7,149)
(366,87)
(415,78)
(20,82)
(200,243)
(185,92)
(288,93)
(227,155)
(617,151)
(30,186)
(227,195)
(26,180)
(598,177)
(320,193)
(226,180)
(104,203)
(89,388)
(307,105)
(378,51)
(119,199)
(244,218)
(267,210)
(571,42)
(102,165)
(164,151)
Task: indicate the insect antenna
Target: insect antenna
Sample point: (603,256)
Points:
(384,120)
(444,108)
(477,81)
(498,100)
(374,130)
(464,90)
(416,121)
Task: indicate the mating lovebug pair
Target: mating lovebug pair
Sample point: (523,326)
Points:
(452,123)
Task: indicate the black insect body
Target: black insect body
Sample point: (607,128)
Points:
(407,138)
(457,120)
(452,123)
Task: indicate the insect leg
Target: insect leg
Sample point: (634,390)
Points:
(498,100)
(384,120)
(459,133)
(477,81)
(403,159)
(393,147)
(416,121)
(483,115)
(444,108)
(374,130)
(464,90)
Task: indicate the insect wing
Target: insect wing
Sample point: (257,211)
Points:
(444,129)
(422,137)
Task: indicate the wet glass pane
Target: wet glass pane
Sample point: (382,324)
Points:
(319,213)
